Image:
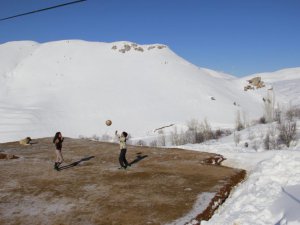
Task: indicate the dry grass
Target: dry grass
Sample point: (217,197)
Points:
(157,189)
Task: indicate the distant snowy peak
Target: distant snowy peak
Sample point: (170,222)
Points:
(284,83)
(280,75)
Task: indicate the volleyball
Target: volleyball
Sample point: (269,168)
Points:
(108,122)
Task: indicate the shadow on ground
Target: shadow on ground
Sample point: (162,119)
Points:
(75,163)
(138,158)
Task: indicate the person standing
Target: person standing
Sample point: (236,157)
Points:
(58,140)
(122,157)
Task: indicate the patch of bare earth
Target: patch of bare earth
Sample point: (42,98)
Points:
(161,186)
(7,156)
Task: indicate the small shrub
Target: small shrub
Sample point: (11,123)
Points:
(161,141)
(240,127)
(221,133)
(277,116)
(251,135)
(95,138)
(227,132)
(238,122)
(236,138)
(182,137)
(272,133)
(140,143)
(199,137)
(293,113)
(262,120)
(106,137)
(196,133)
(206,130)
(174,137)
(218,133)
(255,145)
(153,143)
(82,137)
(287,131)
(267,142)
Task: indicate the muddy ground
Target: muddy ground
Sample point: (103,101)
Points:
(162,184)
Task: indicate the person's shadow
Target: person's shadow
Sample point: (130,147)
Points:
(75,163)
(138,158)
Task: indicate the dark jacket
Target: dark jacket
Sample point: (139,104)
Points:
(58,143)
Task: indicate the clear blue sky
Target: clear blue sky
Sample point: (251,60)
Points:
(239,37)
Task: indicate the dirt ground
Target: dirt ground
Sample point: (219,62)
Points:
(161,185)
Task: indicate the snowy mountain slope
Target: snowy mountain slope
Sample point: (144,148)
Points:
(11,54)
(218,74)
(278,76)
(74,86)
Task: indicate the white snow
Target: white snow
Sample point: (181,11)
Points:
(75,86)
(202,201)
(271,192)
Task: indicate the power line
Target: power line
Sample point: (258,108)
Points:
(40,10)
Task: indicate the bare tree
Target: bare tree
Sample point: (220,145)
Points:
(287,131)
(106,137)
(153,143)
(269,106)
(267,142)
(293,113)
(174,136)
(236,137)
(238,122)
(206,130)
(95,137)
(140,143)
(161,138)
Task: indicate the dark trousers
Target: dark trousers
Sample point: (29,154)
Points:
(122,158)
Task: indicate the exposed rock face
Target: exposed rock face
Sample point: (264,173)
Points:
(255,82)
(133,46)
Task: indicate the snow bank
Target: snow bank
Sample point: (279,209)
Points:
(263,197)
(270,194)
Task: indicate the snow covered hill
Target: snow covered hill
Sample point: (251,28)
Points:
(75,86)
